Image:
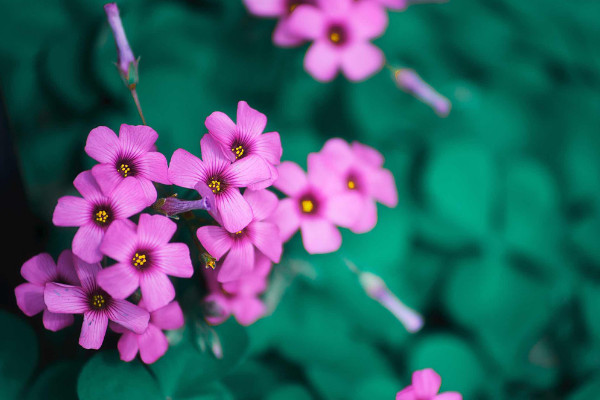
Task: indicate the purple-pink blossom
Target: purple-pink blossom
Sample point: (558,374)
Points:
(238,248)
(341,31)
(38,271)
(245,138)
(96,210)
(152,344)
(131,154)
(145,258)
(97,306)
(425,385)
(222,177)
(313,206)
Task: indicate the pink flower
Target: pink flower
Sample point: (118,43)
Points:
(152,344)
(97,306)
(239,247)
(96,211)
(246,138)
(222,177)
(357,169)
(38,271)
(314,207)
(341,31)
(425,386)
(278,9)
(144,259)
(130,154)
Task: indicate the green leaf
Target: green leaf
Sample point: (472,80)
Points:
(56,382)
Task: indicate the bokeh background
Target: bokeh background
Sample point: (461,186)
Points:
(496,239)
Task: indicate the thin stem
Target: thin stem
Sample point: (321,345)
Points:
(137,103)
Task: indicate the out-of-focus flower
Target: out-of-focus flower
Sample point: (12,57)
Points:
(96,211)
(239,247)
(222,177)
(144,258)
(246,138)
(425,386)
(341,31)
(357,169)
(127,64)
(411,82)
(131,154)
(97,306)
(396,5)
(38,271)
(313,207)
(152,344)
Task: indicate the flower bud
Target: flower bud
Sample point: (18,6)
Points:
(172,206)
(409,81)
(127,64)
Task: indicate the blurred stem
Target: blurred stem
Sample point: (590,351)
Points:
(137,104)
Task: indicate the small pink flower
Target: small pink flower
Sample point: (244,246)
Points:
(38,271)
(96,211)
(144,259)
(239,247)
(222,177)
(97,306)
(246,138)
(425,386)
(313,206)
(129,154)
(152,344)
(357,169)
(341,31)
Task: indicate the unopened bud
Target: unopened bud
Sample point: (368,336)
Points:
(409,81)
(172,206)
(127,63)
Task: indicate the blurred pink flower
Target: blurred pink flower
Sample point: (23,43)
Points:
(425,386)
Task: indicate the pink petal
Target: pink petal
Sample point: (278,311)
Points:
(87,273)
(102,145)
(216,240)
(30,298)
(153,344)
(407,393)
(335,7)
(368,20)
(55,322)
(282,36)
(128,198)
(154,167)
(119,241)
(248,310)
(93,330)
(137,139)
(263,203)
(107,176)
(292,179)
(65,268)
(367,218)
(185,170)
(65,299)
(86,242)
(321,174)
(286,218)
(157,290)
(449,396)
(273,175)
(250,122)
(72,211)
(306,22)
(128,346)
(234,210)
(219,308)
(155,230)
(212,153)
(39,269)
(265,236)
(119,280)
(383,187)
(251,169)
(266,8)
(368,154)
(338,153)
(320,236)
(239,260)
(174,259)
(223,130)
(268,146)
(128,315)
(148,189)
(344,209)
(426,383)
(322,61)
(169,317)
(361,60)
(86,185)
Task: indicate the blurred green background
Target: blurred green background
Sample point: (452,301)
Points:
(495,239)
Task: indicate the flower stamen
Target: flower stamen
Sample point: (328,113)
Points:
(238,151)
(124,170)
(101,216)
(139,260)
(215,186)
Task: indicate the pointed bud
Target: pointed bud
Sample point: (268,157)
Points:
(127,64)
(172,206)
(208,261)
(409,81)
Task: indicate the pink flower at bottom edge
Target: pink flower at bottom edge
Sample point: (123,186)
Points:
(425,385)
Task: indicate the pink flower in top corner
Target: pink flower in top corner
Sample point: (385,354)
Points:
(132,153)
(96,211)
(341,31)
(357,169)
(281,9)
(239,247)
(246,138)
(144,258)
(314,207)
(396,5)
(425,385)
(97,306)
(38,271)
(152,344)
(217,173)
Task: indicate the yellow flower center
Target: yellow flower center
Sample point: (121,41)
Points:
(98,301)
(215,186)
(124,169)
(238,151)
(351,184)
(101,216)
(335,37)
(307,206)
(139,260)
